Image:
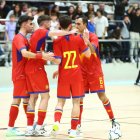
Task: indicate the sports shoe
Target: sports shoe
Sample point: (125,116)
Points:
(73,134)
(29,133)
(41,132)
(115,132)
(14,132)
(55,129)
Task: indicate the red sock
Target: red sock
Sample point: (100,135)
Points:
(81,111)
(30,117)
(25,107)
(74,122)
(108,109)
(57,115)
(41,116)
(13,114)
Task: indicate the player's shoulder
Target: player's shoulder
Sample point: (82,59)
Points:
(18,37)
(58,40)
(93,35)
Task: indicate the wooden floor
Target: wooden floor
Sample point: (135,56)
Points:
(124,97)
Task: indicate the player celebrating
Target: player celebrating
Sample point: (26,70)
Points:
(70,82)
(93,75)
(37,81)
(19,58)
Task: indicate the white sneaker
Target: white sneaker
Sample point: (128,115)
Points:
(73,134)
(29,133)
(115,132)
(14,132)
(79,131)
(41,132)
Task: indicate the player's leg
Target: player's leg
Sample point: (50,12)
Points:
(20,91)
(115,130)
(58,114)
(74,117)
(42,110)
(31,114)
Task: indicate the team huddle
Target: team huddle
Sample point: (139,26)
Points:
(77,54)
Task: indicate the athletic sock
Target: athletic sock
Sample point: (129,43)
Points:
(13,114)
(74,122)
(108,109)
(30,117)
(58,115)
(41,116)
(25,107)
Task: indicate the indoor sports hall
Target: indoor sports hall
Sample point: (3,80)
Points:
(116,24)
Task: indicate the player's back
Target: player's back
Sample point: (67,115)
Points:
(69,49)
(18,61)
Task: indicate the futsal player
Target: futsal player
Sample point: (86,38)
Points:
(37,81)
(93,75)
(70,82)
(20,54)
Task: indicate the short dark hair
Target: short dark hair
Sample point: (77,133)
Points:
(24,18)
(65,21)
(43,18)
(84,19)
(98,10)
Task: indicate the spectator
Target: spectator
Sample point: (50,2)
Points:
(9,34)
(120,9)
(16,11)
(91,24)
(4,9)
(125,35)
(90,11)
(102,9)
(41,11)
(55,9)
(78,12)
(101,25)
(25,8)
(71,12)
(134,30)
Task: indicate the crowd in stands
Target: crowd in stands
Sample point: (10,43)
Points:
(119,21)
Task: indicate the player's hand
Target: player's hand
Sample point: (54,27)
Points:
(55,74)
(47,56)
(86,36)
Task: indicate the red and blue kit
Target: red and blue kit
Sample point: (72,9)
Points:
(18,66)
(37,80)
(70,80)
(92,70)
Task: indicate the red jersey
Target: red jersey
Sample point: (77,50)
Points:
(18,61)
(68,49)
(91,67)
(37,44)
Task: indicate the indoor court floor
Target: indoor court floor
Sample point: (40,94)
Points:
(120,89)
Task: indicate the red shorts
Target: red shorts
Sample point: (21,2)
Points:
(70,89)
(20,89)
(37,82)
(94,86)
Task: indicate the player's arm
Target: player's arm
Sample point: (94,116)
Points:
(42,55)
(55,74)
(61,33)
(87,52)
(87,41)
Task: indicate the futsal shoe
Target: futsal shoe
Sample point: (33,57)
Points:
(14,132)
(78,129)
(42,132)
(73,134)
(29,133)
(115,132)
